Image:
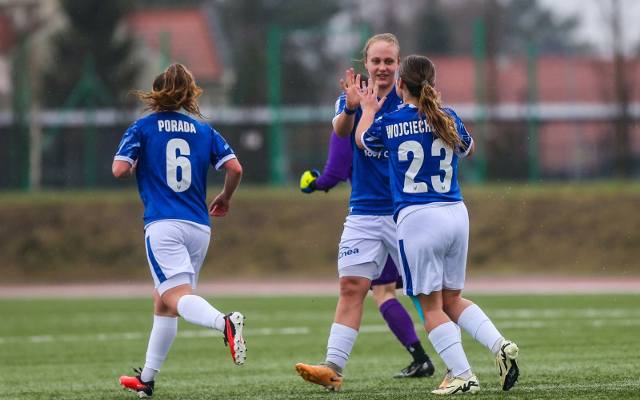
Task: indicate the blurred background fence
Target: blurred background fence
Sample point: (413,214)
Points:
(549,89)
(544,100)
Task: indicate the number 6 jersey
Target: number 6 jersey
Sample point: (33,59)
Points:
(173,152)
(423,168)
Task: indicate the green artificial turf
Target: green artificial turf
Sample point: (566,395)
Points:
(571,347)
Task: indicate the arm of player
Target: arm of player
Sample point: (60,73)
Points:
(122,169)
(337,168)
(126,158)
(339,162)
(467,145)
(219,207)
(370,106)
(344,120)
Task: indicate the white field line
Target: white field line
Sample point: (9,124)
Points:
(506,319)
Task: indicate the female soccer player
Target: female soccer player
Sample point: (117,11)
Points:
(424,141)
(338,168)
(369,235)
(170,153)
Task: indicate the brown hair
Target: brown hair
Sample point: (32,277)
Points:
(380,37)
(419,75)
(172,90)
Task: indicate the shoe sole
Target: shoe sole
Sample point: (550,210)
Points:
(509,363)
(309,377)
(140,394)
(423,374)
(472,387)
(239,346)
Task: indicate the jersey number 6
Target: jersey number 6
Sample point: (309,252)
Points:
(410,185)
(177,149)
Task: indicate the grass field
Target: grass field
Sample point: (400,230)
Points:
(572,347)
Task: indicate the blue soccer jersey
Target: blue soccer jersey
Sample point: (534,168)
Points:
(173,152)
(370,192)
(423,168)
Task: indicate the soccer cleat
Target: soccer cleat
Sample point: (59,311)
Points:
(448,377)
(507,365)
(321,375)
(459,385)
(233,324)
(417,370)
(136,385)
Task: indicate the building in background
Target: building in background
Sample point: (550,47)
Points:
(190,36)
(576,96)
(6,38)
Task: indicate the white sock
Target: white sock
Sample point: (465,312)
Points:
(163,332)
(476,323)
(341,341)
(445,339)
(198,311)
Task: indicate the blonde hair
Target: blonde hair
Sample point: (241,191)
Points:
(381,37)
(418,73)
(172,90)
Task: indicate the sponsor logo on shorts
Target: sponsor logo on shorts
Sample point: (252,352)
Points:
(345,251)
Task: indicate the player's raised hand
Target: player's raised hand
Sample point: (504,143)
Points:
(350,87)
(219,207)
(369,97)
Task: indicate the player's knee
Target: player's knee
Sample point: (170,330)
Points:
(353,287)
(452,304)
(383,293)
(163,309)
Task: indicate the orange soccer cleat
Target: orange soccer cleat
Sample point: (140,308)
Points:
(322,375)
(136,385)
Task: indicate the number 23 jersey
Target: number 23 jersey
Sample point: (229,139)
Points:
(173,152)
(423,169)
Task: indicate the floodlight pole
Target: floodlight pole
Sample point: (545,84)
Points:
(274,98)
(480,56)
(532,112)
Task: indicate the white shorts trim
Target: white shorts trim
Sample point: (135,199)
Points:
(368,270)
(175,281)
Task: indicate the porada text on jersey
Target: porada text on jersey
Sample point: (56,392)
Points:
(172,125)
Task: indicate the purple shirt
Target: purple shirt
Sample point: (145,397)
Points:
(338,166)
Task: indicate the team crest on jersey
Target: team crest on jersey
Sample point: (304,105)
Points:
(172,125)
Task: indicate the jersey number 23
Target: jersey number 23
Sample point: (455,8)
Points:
(439,185)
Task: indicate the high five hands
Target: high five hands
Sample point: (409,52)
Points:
(368,95)
(350,84)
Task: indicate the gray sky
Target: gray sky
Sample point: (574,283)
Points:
(594,26)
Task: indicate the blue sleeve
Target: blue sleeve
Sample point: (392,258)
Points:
(221,152)
(463,150)
(373,138)
(129,148)
(341,103)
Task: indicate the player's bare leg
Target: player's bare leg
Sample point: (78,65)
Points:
(344,331)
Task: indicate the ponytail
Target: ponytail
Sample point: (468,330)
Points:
(419,75)
(172,90)
(442,125)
